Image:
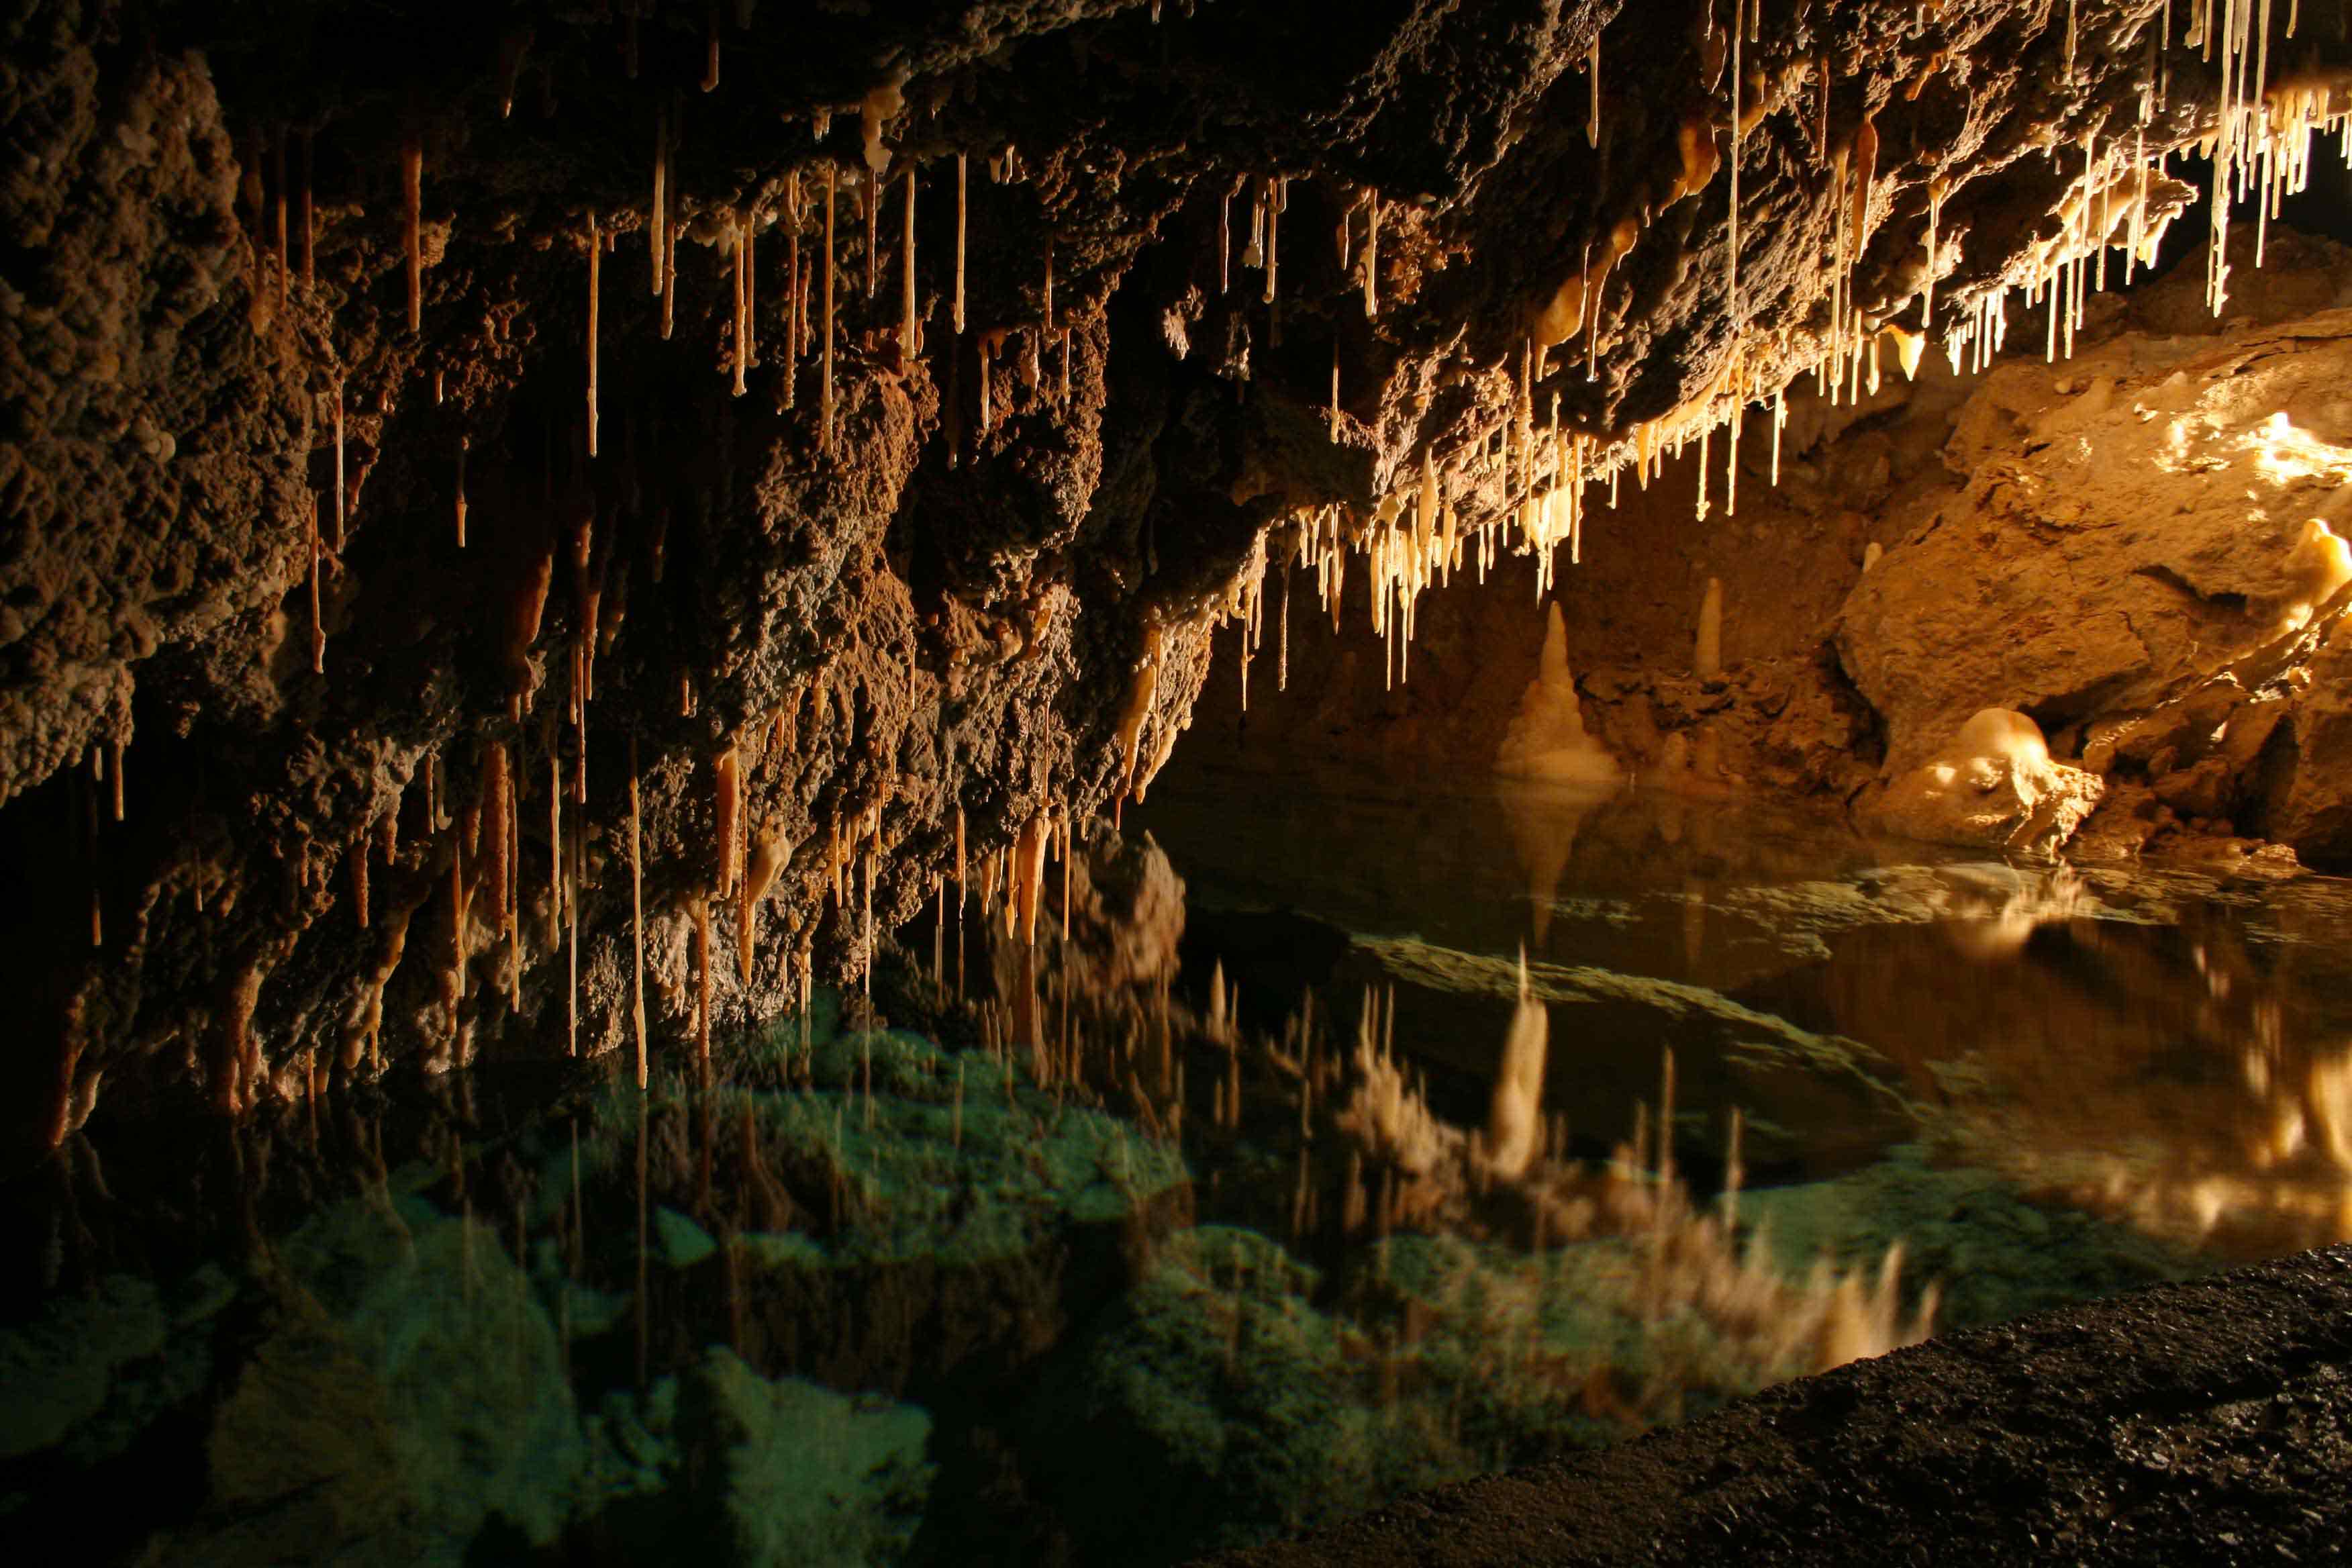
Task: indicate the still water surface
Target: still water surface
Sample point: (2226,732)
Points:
(1181,1275)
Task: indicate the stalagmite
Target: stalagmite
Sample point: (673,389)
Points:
(411,182)
(824,439)
(636,917)
(595,260)
(1706,660)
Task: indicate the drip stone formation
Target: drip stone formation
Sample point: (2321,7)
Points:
(590,540)
(620,626)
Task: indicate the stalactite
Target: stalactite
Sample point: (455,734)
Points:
(1273,199)
(824,439)
(1140,693)
(342,492)
(411,182)
(310,229)
(238,1067)
(494,799)
(1592,73)
(1028,873)
(670,277)
(869,190)
(702,982)
(277,168)
(742,342)
(710,55)
(657,222)
(525,609)
(555,854)
(1371,263)
(765,861)
(791,286)
(595,260)
(453,985)
(1224,242)
(961,161)
(907,345)
(636,917)
(1283,635)
(514,46)
(726,791)
(1866,167)
(510,894)
(318,627)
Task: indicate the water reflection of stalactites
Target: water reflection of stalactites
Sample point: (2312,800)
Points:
(1702,1308)
(2154,1074)
(1542,819)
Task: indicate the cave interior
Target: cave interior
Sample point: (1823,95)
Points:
(682,889)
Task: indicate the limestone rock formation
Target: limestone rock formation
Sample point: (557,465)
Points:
(1992,784)
(488,496)
(2144,561)
(1547,739)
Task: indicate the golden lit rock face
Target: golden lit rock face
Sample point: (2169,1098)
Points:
(322,356)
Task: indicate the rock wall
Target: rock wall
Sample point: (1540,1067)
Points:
(2137,548)
(466,476)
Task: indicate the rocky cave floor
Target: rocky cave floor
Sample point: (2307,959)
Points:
(2204,1422)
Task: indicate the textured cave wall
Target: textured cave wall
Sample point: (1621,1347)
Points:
(950,608)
